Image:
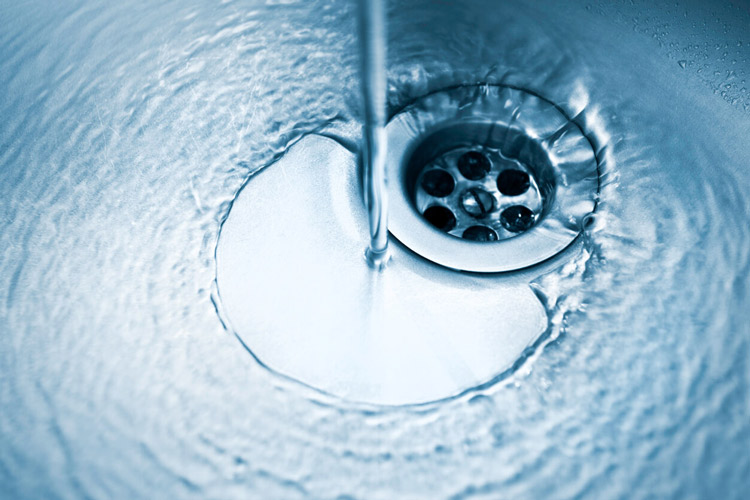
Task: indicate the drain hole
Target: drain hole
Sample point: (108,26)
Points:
(483,164)
(474,165)
(513,182)
(517,218)
(480,233)
(477,202)
(462,187)
(438,183)
(440,217)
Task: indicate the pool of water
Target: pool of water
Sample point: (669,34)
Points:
(128,128)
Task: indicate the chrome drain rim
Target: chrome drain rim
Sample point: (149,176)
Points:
(520,127)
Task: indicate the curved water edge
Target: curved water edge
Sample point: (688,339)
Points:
(127,131)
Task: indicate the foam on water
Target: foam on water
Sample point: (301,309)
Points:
(128,128)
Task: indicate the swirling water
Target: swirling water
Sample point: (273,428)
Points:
(128,127)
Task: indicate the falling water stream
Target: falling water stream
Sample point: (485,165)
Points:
(372,49)
(127,130)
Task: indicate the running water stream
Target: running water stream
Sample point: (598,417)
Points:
(372,52)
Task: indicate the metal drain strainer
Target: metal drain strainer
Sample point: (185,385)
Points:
(488,178)
(478,194)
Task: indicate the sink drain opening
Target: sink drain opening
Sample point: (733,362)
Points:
(473,191)
(489,178)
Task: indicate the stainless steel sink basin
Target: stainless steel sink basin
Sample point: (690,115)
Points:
(128,130)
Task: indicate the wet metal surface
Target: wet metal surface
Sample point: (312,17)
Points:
(129,127)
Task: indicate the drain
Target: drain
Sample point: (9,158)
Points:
(489,197)
(483,179)
(489,178)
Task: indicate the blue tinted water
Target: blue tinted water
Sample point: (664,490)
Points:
(128,127)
